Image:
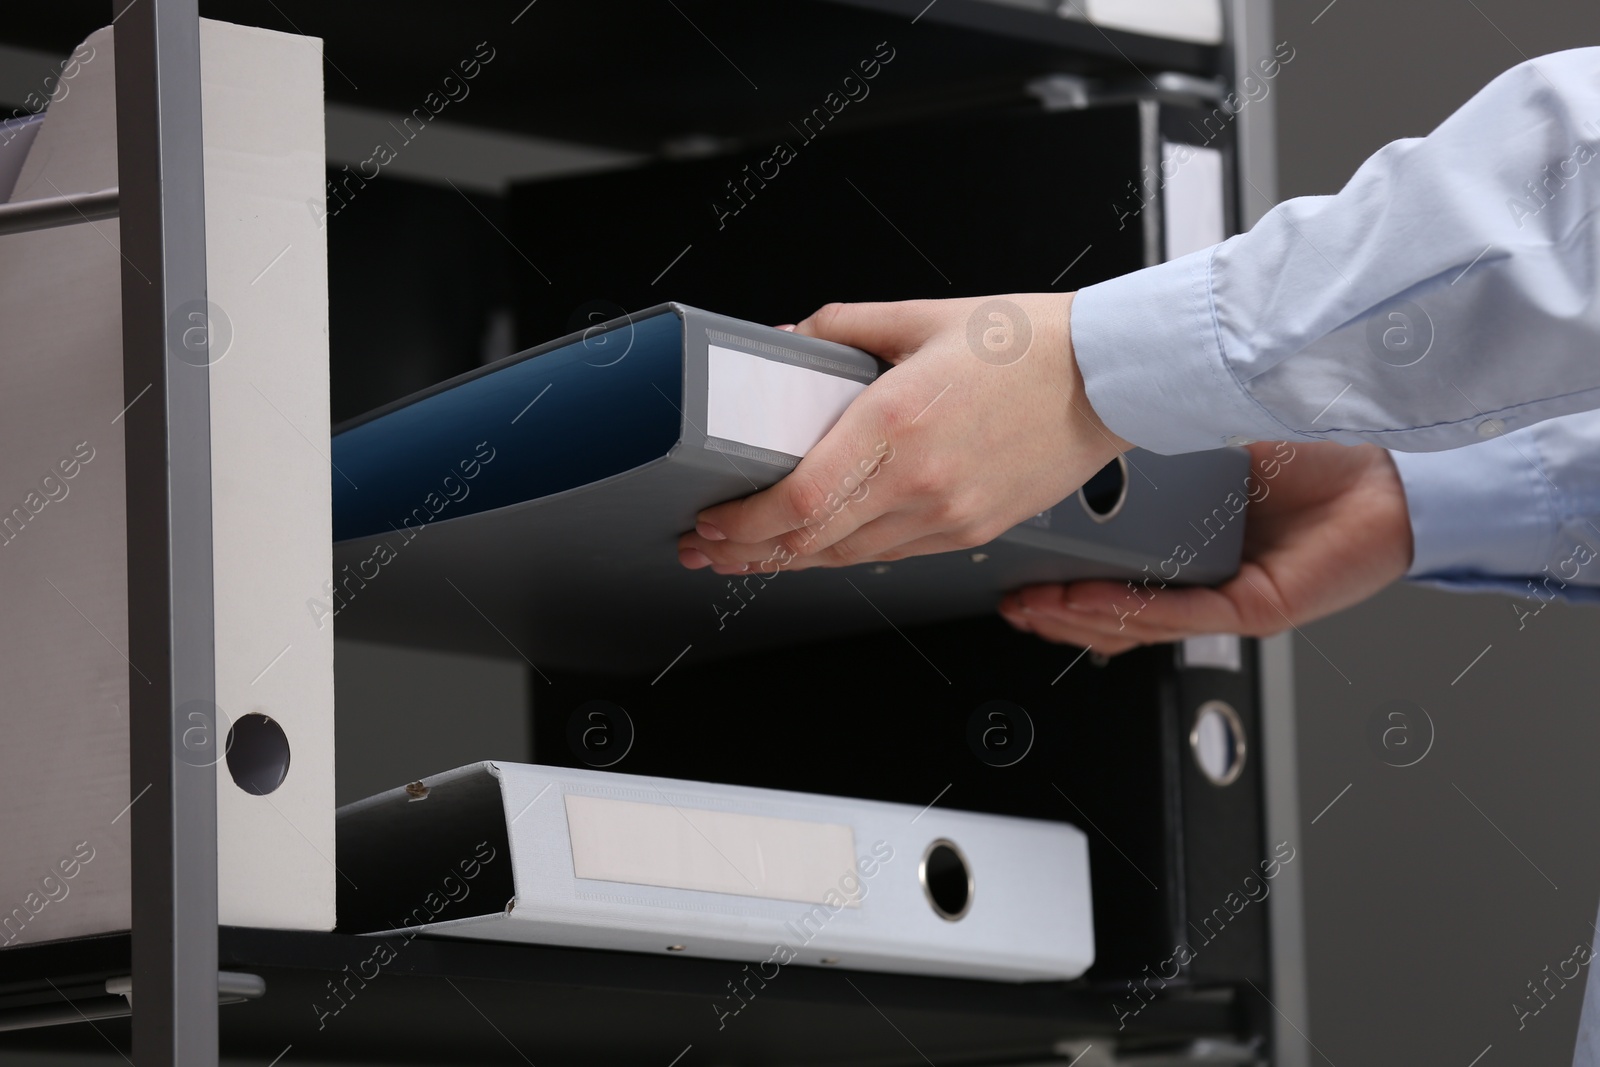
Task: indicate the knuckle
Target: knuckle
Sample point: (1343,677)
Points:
(971,536)
(844,554)
(959,512)
(896,412)
(1261,623)
(1257,611)
(808,496)
(930,477)
(797,544)
(942,515)
(988,529)
(827,317)
(1265,627)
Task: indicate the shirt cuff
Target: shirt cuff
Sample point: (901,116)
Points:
(1478,513)
(1153,367)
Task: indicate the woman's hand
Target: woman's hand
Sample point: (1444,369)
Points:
(982,423)
(1332,530)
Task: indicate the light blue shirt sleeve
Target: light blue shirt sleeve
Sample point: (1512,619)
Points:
(1449,292)
(1447,296)
(1519,514)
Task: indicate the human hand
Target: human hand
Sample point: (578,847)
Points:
(1331,530)
(981,423)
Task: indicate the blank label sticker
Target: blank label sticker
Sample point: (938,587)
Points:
(772,405)
(713,851)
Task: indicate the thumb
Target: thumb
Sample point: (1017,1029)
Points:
(889,331)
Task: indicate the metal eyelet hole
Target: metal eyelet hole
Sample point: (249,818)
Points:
(946,880)
(1103,495)
(1217,741)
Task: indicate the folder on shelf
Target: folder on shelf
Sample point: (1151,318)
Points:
(527,506)
(516,852)
(902,209)
(64,773)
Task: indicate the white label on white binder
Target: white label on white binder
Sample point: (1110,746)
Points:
(772,405)
(712,851)
(1191,188)
(1186,20)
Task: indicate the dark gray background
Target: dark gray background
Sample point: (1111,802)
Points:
(1425,916)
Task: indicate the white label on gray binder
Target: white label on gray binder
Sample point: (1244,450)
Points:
(772,405)
(1191,196)
(712,851)
(1221,651)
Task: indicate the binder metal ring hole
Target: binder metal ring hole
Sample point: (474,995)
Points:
(1103,495)
(258,754)
(946,880)
(1217,741)
(675,948)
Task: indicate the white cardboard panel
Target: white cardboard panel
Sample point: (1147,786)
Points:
(267,270)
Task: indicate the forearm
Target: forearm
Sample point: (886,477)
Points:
(1483,237)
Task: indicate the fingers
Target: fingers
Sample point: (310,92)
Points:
(1070,635)
(830,495)
(1148,606)
(889,331)
(1044,612)
(889,538)
(1113,617)
(1093,633)
(827,497)
(1080,630)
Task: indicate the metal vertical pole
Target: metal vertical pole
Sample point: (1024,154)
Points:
(1250,41)
(172,718)
(1286,911)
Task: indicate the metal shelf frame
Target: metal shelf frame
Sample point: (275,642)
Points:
(172,720)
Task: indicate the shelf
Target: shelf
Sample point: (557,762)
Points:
(442,1001)
(599,73)
(658,79)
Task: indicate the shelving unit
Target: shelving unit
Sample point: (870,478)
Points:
(580,77)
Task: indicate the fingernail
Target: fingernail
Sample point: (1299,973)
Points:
(1078,605)
(709,532)
(787,329)
(731,568)
(693,558)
